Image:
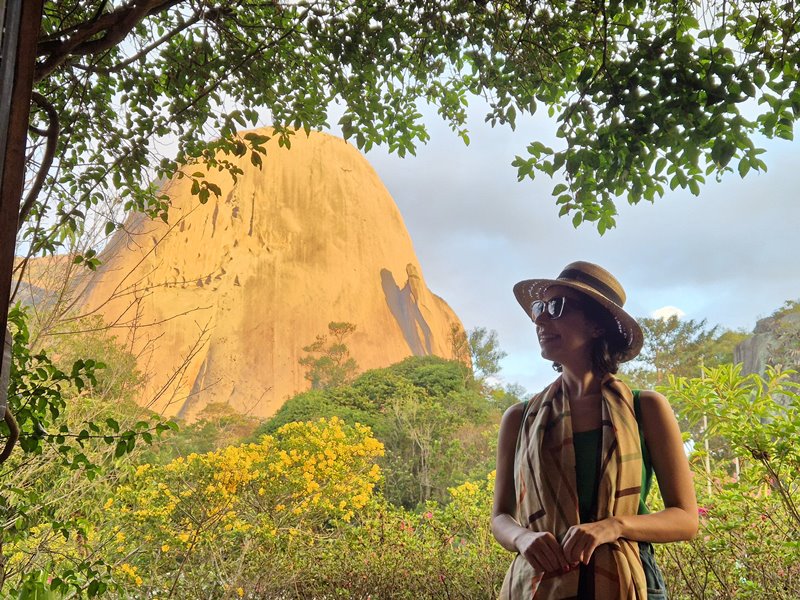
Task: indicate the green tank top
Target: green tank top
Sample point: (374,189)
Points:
(586,444)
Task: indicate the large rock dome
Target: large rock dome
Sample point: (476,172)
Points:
(218,303)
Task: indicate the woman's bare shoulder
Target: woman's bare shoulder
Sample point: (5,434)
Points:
(515,410)
(512,418)
(656,411)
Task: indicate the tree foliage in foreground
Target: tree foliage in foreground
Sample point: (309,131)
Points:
(749,498)
(305,501)
(648,95)
(74,439)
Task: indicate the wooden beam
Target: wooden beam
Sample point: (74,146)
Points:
(21,26)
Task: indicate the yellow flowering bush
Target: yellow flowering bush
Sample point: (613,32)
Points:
(207,508)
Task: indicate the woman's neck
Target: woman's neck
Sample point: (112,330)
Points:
(581,383)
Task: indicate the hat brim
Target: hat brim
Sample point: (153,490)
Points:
(530,290)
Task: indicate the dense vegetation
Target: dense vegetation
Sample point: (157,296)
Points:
(379,487)
(437,429)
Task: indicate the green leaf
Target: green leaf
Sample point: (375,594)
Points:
(121,449)
(256,139)
(744,166)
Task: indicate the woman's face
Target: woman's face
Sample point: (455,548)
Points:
(569,337)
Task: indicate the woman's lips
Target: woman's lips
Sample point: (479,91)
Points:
(546,337)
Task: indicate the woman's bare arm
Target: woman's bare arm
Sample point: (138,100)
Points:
(540,549)
(504,525)
(678,521)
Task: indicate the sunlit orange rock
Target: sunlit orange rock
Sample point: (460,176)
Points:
(219,302)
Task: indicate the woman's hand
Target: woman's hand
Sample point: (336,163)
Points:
(580,541)
(542,551)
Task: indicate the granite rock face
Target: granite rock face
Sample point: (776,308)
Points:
(772,342)
(218,303)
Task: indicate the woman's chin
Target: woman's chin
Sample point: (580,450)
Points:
(548,355)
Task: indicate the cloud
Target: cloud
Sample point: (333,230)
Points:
(665,312)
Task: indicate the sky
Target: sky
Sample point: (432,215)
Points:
(730,255)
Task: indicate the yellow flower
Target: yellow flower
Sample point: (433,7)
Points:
(240,592)
(108,503)
(165,548)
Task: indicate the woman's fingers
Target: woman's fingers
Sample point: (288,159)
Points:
(542,551)
(573,545)
(580,541)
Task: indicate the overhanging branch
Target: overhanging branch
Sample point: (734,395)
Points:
(50,150)
(82,39)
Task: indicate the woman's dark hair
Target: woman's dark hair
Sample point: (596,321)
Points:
(609,349)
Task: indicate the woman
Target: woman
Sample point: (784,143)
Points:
(574,464)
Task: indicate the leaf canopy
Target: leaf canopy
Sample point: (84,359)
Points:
(647,95)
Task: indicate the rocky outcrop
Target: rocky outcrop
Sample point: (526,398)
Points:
(774,341)
(218,303)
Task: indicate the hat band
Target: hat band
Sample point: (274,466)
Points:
(591,281)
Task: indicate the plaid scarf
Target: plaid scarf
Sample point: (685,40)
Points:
(547,498)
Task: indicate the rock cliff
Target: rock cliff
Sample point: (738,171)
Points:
(774,341)
(218,303)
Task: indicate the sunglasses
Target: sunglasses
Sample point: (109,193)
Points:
(553,307)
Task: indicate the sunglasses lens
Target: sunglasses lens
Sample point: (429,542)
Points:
(555,307)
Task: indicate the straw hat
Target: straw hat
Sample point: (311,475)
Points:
(600,285)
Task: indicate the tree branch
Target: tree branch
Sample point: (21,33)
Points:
(170,34)
(81,40)
(50,150)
